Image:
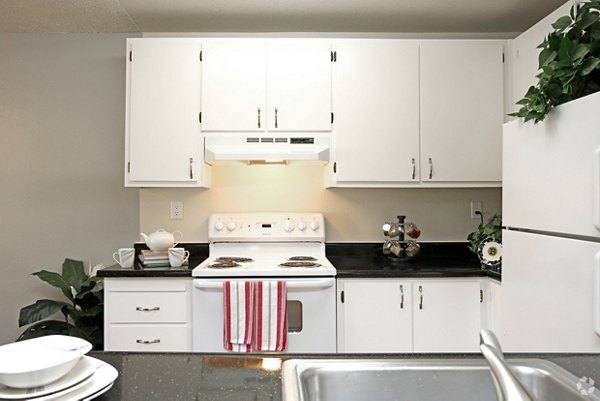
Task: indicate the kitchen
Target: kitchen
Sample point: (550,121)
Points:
(110,215)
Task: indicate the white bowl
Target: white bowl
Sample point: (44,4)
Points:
(39,361)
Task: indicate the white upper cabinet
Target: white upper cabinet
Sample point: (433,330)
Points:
(163,138)
(259,85)
(376,98)
(233,85)
(462,107)
(299,85)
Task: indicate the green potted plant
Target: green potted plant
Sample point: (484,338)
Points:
(491,233)
(569,63)
(83,309)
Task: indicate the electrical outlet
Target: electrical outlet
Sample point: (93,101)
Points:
(476,207)
(176,210)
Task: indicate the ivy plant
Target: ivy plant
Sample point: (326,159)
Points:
(83,309)
(491,229)
(569,63)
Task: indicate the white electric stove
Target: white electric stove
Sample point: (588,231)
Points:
(268,246)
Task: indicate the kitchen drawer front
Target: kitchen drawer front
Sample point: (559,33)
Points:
(150,338)
(147,284)
(148,307)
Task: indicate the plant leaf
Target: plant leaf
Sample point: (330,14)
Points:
(589,65)
(55,280)
(546,56)
(74,273)
(40,310)
(562,23)
(588,19)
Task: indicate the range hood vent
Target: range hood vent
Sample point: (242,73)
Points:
(219,148)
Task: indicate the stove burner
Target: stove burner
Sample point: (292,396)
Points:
(236,259)
(303,258)
(223,265)
(299,264)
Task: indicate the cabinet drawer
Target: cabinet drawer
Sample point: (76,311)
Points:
(148,307)
(149,338)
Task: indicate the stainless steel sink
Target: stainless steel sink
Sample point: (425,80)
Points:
(421,380)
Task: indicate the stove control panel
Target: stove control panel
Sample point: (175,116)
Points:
(248,227)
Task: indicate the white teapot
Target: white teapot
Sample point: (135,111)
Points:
(161,240)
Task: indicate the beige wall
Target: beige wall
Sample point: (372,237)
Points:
(62,102)
(351,214)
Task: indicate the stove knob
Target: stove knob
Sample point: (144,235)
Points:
(231,226)
(219,225)
(314,225)
(301,226)
(288,226)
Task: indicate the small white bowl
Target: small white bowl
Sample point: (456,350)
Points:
(39,361)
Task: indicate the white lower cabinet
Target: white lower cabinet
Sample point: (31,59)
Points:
(147,314)
(409,315)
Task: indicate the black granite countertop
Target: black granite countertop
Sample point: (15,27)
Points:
(234,377)
(198,253)
(364,260)
(351,260)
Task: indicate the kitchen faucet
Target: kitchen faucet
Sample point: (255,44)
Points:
(508,387)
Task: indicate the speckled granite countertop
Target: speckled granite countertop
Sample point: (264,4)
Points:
(228,377)
(447,259)
(352,260)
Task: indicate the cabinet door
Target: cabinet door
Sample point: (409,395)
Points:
(163,129)
(461,111)
(376,97)
(376,316)
(299,85)
(233,85)
(446,316)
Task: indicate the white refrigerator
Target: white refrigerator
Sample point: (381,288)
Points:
(551,244)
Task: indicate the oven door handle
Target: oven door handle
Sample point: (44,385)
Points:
(300,284)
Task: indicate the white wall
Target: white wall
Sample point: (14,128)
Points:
(350,214)
(62,103)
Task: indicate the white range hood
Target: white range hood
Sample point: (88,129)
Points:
(265,149)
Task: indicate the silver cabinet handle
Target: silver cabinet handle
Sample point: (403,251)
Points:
(258,109)
(275,117)
(401,297)
(155,341)
(420,297)
(430,168)
(414,168)
(142,309)
(191,168)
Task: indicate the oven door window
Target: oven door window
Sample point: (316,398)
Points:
(294,311)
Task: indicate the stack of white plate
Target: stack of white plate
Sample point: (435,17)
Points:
(52,368)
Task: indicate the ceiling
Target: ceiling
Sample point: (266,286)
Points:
(394,16)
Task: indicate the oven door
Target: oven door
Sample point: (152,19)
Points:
(310,306)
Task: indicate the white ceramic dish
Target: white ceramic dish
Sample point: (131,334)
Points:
(490,252)
(99,382)
(81,371)
(39,361)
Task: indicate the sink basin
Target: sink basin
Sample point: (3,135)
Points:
(421,380)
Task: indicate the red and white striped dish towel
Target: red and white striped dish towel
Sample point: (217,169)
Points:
(270,316)
(238,301)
